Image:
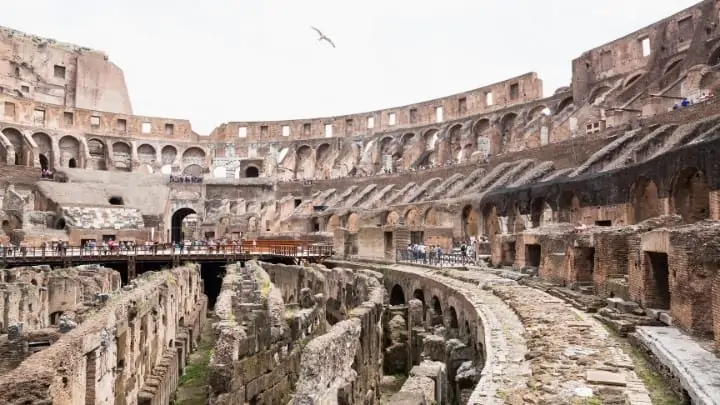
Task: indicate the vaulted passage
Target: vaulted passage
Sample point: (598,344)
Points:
(657,274)
(177,234)
(690,195)
(644,200)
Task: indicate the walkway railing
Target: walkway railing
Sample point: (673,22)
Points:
(166,250)
(432,258)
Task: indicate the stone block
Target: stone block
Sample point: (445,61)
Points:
(665,318)
(603,377)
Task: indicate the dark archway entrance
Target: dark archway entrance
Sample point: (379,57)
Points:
(252,171)
(176,228)
(44,163)
(72,163)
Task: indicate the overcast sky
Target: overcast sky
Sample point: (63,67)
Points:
(216,61)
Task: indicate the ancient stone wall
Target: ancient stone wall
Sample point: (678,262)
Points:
(124,349)
(259,340)
(37,296)
(343,366)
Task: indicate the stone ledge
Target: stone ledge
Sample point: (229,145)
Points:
(696,369)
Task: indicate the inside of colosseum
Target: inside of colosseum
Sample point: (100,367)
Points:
(497,246)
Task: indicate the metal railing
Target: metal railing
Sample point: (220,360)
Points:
(166,250)
(432,258)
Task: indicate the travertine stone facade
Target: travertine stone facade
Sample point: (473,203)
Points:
(127,347)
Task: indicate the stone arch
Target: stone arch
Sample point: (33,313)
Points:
(122,156)
(322,151)
(644,201)
(541,212)
(632,79)
(70,152)
(436,311)
(304,165)
(491,224)
(597,92)
(176,223)
(193,170)
(431,217)
(672,64)
(453,322)
(690,196)
(431,138)
(714,58)
(333,223)
(193,156)
(481,126)
(385,145)
(392,218)
(146,153)
(413,217)
(419,295)
(406,139)
(564,104)
(516,222)
(353,223)
(397,296)
(536,111)
(568,207)
(507,123)
(96,149)
(16,140)
(252,171)
(168,154)
(44,149)
(469,221)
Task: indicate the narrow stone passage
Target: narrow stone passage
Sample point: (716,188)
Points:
(193,388)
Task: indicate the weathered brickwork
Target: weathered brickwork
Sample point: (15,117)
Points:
(124,349)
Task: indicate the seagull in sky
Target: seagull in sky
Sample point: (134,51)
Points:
(323,37)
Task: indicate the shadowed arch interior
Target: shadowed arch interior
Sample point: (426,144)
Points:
(397,296)
(252,171)
(176,230)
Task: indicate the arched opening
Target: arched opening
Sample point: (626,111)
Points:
(44,163)
(116,201)
(176,228)
(454,324)
(632,80)
(714,58)
(44,149)
(304,165)
(597,93)
(193,170)
(436,315)
(6,226)
(568,207)
(60,224)
(96,148)
(419,295)
(672,65)
(72,163)
(645,203)
(252,171)
(491,225)
(397,297)
(55,318)
(122,156)
(405,140)
(690,195)
(564,105)
(537,111)
(507,123)
(540,212)
(469,222)
(18,142)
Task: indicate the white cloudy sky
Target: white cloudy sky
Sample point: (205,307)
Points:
(215,61)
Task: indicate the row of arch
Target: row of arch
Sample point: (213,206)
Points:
(71,153)
(435,313)
(689,198)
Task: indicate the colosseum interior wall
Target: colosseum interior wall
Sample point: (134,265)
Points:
(601,198)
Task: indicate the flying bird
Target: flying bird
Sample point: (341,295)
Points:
(323,37)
